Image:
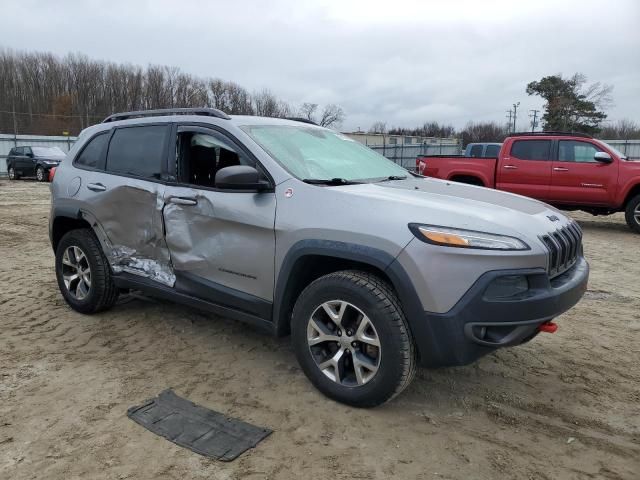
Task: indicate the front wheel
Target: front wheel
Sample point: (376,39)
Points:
(352,340)
(632,214)
(12,174)
(41,175)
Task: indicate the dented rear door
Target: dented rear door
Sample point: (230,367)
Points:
(124,202)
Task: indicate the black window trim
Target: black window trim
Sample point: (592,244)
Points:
(207,128)
(552,154)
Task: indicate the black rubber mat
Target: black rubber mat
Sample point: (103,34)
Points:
(199,429)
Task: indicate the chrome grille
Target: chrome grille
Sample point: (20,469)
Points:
(564,246)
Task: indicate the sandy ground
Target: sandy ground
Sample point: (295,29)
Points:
(563,406)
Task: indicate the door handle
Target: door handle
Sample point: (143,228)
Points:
(560,169)
(183,200)
(96,187)
(510,167)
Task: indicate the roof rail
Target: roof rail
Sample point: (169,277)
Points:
(207,112)
(559,134)
(300,119)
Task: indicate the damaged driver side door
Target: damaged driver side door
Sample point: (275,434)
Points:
(221,242)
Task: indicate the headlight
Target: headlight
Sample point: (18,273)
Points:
(457,237)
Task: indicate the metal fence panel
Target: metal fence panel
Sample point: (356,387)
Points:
(405,155)
(631,148)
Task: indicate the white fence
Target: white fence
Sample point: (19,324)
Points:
(8,141)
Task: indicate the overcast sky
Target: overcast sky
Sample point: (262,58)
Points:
(400,61)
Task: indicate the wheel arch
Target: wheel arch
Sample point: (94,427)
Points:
(63,221)
(633,191)
(308,260)
(468,179)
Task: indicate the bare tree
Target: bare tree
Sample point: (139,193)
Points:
(378,127)
(332,116)
(308,110)
(624,129)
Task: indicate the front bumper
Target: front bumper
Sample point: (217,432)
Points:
(478,325)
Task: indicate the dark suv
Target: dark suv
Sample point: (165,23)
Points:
(33,162)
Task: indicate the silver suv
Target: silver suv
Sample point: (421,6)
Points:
(298,229)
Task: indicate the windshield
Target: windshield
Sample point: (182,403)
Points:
(613,149)
(314,153)
(47,152)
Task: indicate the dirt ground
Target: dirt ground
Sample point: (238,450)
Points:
(563,406)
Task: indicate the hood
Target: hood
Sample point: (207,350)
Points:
(445,203)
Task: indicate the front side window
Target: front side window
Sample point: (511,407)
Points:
(531,149)
(577,151)
(137,151)
(91,154)
(200,156)
(315,153)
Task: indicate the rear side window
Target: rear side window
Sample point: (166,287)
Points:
(531,149)
(476,151)
(92,153)
(137,151)
(492,151)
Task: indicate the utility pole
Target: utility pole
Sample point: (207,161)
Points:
(515,115)
(534,122)
(15,125)
(509,116)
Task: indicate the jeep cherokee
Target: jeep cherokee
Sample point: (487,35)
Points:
(298,229)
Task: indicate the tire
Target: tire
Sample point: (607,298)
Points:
(13,175)
(632,214)
(358,298)
(41,175)
(101,293)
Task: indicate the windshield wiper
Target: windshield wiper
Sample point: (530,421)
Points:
(329,181)
(393,177)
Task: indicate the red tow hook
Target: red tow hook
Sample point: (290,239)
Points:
(548,327)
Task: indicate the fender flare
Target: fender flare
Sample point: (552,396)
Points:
(373,257)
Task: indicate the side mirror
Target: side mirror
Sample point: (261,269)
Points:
(240,177)
(602,157)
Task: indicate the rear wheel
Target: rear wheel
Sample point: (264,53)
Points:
(632,214)
(41,175)
(352,340)
(83,273)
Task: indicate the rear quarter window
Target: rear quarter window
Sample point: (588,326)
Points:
(138,151)
(531,149)
(91,154)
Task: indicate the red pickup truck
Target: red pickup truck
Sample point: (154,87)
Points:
(571,171)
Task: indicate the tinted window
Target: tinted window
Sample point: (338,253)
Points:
(137,151)
(92,152)
(531,149)
(201,156)
(476,151)
(492,151)
(577,151)
(19,151)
